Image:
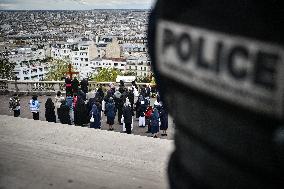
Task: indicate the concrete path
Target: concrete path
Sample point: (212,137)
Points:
(37,154)
(25,113)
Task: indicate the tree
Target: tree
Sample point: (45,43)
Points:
(106,75)
(6,69)
(58,69)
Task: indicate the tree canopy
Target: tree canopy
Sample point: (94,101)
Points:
(106,75)
(6,69)
(58,70)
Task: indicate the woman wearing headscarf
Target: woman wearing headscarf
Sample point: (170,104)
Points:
(80,112)
(96,115)
(164,120)
(155,122)
(50,111)
(64,113)
(110,112)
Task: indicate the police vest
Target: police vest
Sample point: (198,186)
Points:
(34,106)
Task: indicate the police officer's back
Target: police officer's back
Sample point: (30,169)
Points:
(221,63)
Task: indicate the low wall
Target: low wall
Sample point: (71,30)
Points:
(44,87)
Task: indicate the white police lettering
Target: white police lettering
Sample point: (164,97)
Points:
(236,69)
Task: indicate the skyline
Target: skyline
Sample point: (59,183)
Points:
(74,4)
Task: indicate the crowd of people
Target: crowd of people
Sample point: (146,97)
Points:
(82,108)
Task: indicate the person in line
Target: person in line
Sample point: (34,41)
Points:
(141,111)
(14,104)
(164,120)
(130,96)
(155,122)
(148,91)
(110,112)
(70,104)
(127,117)
(68,85)
(75,85)
(50,111)
(96,114)
(100,92)
(64,113)
(119,105)
(148,115)
(84,85)
(80,112)
(34,107)
(58,100)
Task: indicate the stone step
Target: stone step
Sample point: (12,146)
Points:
(80,152)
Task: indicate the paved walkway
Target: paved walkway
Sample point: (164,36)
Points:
(37,154)
(25,113)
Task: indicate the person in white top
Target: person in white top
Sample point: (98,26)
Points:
(58,101)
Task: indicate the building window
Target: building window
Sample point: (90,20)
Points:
(82,59)
(86,59)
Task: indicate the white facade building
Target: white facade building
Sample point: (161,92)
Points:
(140,65)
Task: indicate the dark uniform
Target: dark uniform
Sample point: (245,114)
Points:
(222,62)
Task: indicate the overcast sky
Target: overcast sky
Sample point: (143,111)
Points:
(74,4)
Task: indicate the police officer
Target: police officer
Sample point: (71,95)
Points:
(222,62)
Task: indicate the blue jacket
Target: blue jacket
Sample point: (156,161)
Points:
(110,110)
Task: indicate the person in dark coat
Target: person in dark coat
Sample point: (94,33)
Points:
(101,92)
(96,114)
(110,112)
(90,104)
(75,85)
(127,117)
(82,95)
(64,113)
(155,122)
(137,105)
(84,85)
(164,120)
(50,111)
(68,86)
(80,113)
(130,96)
(148,91)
